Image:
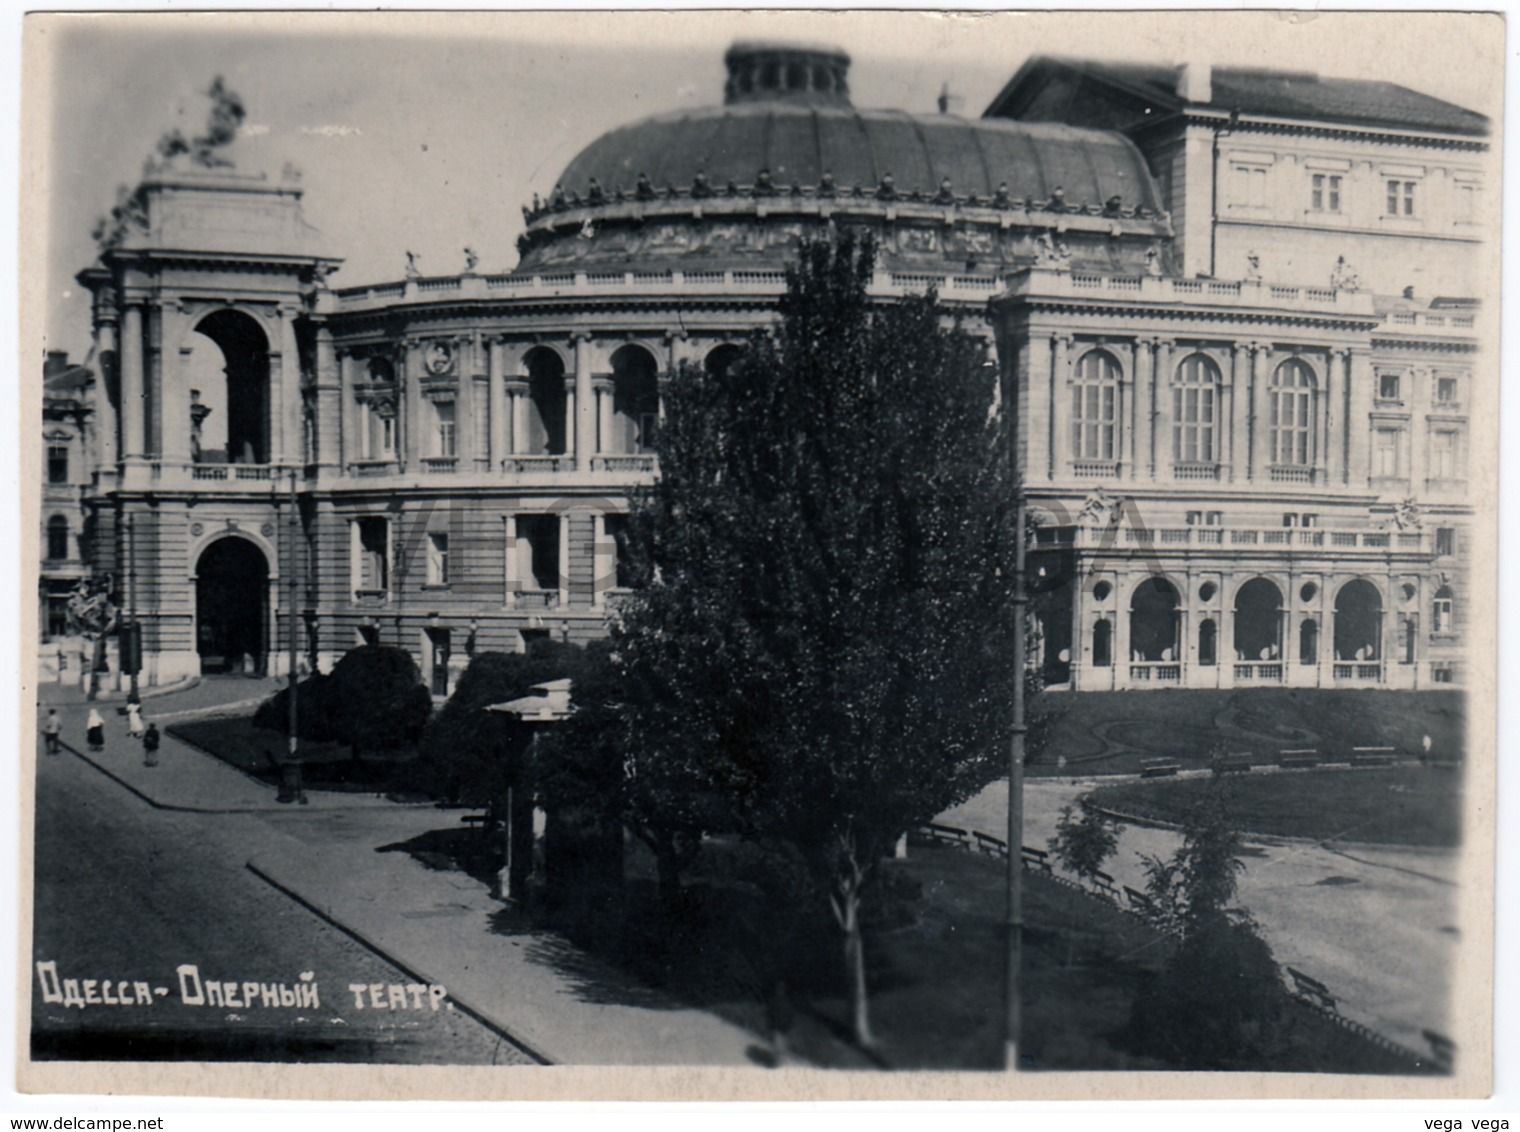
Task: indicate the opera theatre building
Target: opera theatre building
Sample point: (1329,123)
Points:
(1235,310)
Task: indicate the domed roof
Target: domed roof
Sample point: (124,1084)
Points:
(788,112)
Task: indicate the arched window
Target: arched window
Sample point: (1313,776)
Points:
(1208,643)
(1258,621)
(1308,642)
(1292,408)
(1103,644)
(1195,411)
(1358,622)
(1153,621)
(1440,619)
(58,538)
(1095,407)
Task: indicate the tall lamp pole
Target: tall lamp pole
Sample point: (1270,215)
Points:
(291,788)
(1015,919)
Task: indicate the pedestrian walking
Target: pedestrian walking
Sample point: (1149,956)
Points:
(134,720)
(150,745)
(51,727)
(95,731)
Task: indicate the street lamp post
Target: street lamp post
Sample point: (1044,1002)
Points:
(291,788)
(1015,902)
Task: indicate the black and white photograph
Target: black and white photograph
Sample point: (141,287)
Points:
(820,550)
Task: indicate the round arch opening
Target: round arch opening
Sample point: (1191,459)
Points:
(229,419)
(232,607)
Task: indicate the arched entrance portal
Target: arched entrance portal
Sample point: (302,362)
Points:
(231,606)
(1358,622)
(1258,621)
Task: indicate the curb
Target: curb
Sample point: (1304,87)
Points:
(401,965)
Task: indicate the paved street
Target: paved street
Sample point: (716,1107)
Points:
(128,893)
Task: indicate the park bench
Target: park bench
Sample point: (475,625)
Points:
(1159,768)
(948,835)
(1104,884)
(484,821)
(1297,760)
(1034,858)
(1232,764)
(1372,756)
(1140,902)
(1311,989)
(992,846)
(1442,1047)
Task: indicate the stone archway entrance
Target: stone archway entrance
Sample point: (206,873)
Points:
(232,607)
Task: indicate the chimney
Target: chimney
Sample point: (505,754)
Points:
(1195,83)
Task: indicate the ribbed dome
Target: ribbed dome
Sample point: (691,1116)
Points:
(800,143)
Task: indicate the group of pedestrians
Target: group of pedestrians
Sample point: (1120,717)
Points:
(95,732)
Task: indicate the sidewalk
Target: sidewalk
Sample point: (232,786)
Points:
(439,926)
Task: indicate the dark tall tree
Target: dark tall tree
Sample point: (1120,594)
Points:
(824,634)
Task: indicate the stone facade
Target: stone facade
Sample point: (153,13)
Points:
(442,463)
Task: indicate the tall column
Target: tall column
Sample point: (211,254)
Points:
(1162,436)
(173,404)
(154,366)
(605,440)
(108,350)
(410,441)
(573,446)
(1261,417)
(1123,594)
(1240,417)
(133,394)
(288,407)
(517,392)
(1062,451)
(329,389)
(1359,419)
(468,353)
(1334,426)
(1224,432)
(350,447)
(1419,432)
(581,406)
(501,429)
(1127,386)
(1145,413)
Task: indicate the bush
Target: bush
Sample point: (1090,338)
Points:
(376,699)
(1218,1002)
(470,752)
(313,711)
(1083,844)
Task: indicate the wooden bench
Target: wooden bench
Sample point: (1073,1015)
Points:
(1232,764)
(1140,902)
(1311,989)
(1034,858)
(1444,1049)
(484,821)
(1372,756)
(1105,885)
(1297,760)
(1159,768)
(992,846)
(948,835)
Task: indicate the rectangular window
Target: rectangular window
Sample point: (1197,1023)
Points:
(58,464)
(649,431)
(1388,387)
(438,560)
(1325,195)
(1250,186)
(1385,453)
(1444,455)
(443,436)
(1441,615)
(1214,519)
(371,555)
(615,530)
(1401,198)
(538,566)
(1446,540)
(1308,520)
(1290,519)
(1194,518)
(1446,390)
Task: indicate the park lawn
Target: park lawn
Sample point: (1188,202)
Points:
(935,969)
(325,766)
(1402,805)
(1117,732)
